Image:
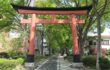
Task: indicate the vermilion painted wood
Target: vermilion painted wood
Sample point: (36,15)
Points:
(51,21)
(32,35)
(74,36)
(22,11)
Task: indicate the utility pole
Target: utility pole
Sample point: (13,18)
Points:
(99,34)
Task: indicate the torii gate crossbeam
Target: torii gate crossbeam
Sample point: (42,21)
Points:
(51,21)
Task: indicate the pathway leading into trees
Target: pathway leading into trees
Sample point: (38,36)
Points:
(55,63)
(50,64)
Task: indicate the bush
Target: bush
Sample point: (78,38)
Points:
(4,55)
(108,53)
(20,60)
(10,64)
(14,54)
(69,58)
(104,63)
(90,61)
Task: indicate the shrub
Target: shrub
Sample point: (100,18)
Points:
(20,60)
(10,64)
(14,54)
(90,61)
(4,55)
(69,58)
(108,53)
(104,63)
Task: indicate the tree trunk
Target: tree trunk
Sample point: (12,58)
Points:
(81,46)
(49,50)
(42,43)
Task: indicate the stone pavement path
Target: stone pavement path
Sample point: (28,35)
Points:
(56,63)
(64,64)
(50,64)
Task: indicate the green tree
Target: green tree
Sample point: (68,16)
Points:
(10,19)
(102,8)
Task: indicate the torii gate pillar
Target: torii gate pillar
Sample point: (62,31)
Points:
(31,49)
(76,54)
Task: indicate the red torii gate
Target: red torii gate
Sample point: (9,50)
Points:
(72,12)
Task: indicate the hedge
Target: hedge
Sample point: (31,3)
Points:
(10,64)
(90,61)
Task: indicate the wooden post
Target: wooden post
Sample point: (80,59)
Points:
(76,56)
(30,56)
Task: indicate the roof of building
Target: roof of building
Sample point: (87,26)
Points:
(104,34)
